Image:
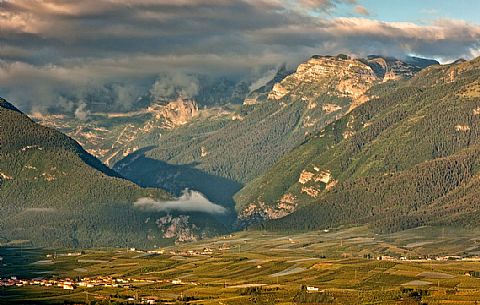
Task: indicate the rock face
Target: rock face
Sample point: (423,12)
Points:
(110,137)
(330,108)
(174,114)
(463,128)
(278,91)
(305,176)
(4,177)
(312,182)
(341,76)
(388,68)
(334,75)
(259,211)
(178,228)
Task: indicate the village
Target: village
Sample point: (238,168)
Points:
(120,282)
(102,281)
(86,282)
(428,258)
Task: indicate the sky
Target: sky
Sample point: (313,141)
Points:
(424,11)
(63,54)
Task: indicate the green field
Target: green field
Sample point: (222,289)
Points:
(264,268)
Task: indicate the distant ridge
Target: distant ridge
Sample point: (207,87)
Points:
(421,62)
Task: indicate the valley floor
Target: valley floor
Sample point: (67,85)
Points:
(427,265)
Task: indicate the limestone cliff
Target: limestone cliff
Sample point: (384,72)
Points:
(341,76)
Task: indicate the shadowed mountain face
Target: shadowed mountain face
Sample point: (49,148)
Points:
(408,157)
(53,193)
(148,172)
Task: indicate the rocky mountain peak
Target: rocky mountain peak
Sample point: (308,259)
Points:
(175,113)
(334,75)
(344,76)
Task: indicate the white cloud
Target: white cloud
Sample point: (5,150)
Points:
(175,83)
(189,201)
(82,112)
(263,79)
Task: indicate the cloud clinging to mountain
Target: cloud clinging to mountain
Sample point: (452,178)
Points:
(62,50)
(188,202)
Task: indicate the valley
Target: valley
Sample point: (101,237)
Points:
(349,265)
(263,152)
(252,204)
(218,150)
(303,152)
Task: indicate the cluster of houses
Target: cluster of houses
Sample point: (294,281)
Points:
(99,281)
(104,281)
(67,283)
(429,258)
(55,255)
(197,252)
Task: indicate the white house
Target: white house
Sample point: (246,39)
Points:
(312,289)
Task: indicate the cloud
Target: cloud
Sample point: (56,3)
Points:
(55,54)
(189,201)
(82,113)
(444,39)
(175,84)
(263,79)
(361,10)
(323,5)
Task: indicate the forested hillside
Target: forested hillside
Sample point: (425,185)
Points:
(54,193)
(408,157)
(231,150)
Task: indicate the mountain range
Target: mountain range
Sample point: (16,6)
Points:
(339,140)
(217,150)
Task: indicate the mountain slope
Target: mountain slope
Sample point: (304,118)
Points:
(54,193)
(112,136)
(408,157)
(242,145)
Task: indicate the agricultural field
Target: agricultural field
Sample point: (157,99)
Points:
(337,266)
